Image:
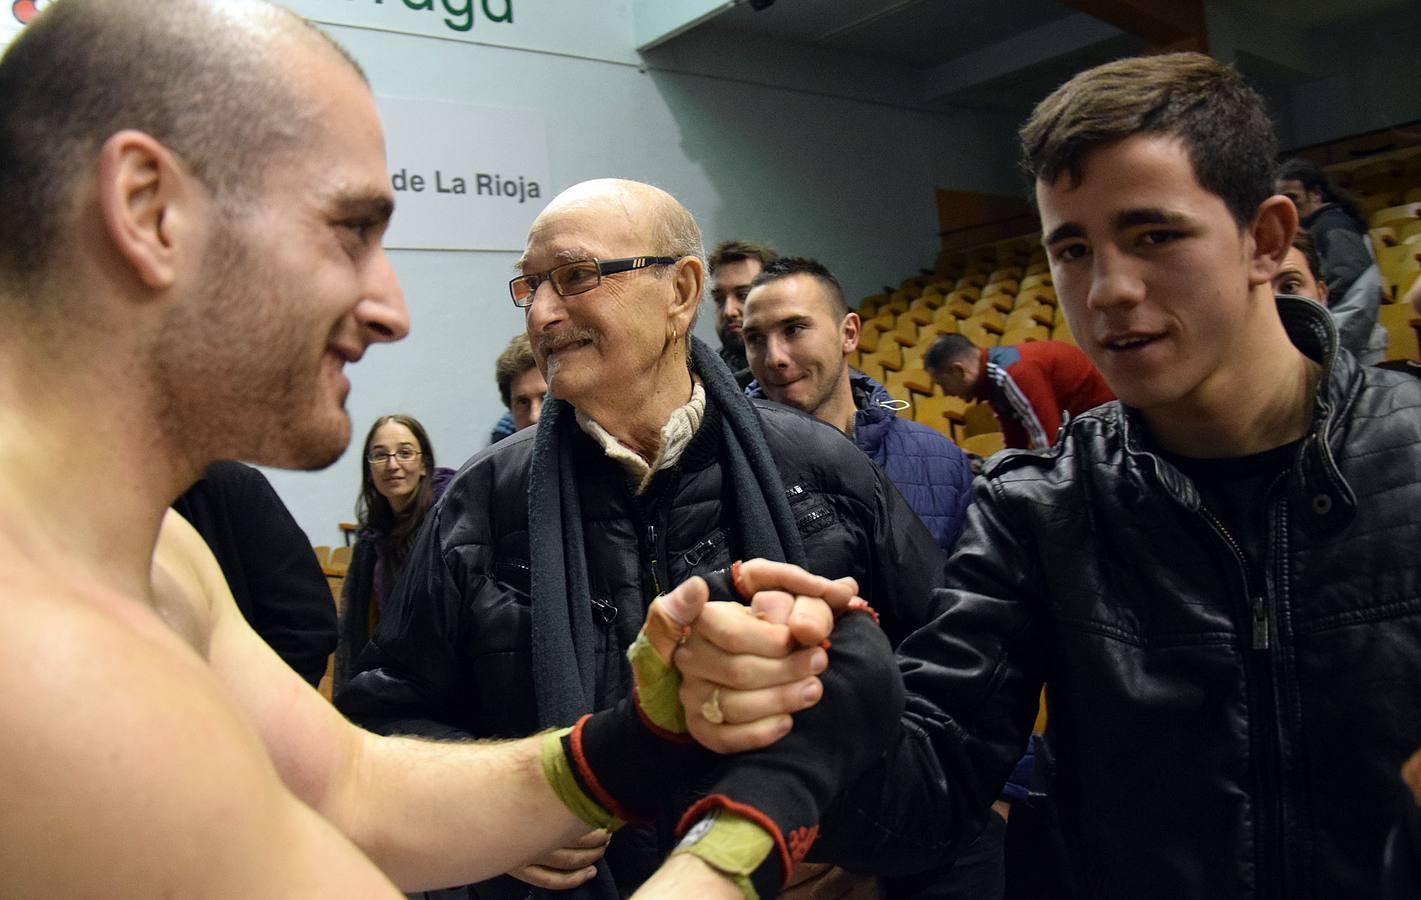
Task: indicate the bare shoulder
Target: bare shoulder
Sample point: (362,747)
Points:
(127,771)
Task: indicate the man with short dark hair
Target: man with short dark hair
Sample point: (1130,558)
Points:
(798,334)
(1215,578)
(190,254)
(1034,388)
(521,386)
(732,265)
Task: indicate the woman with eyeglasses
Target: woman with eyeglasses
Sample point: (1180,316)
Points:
(398,484)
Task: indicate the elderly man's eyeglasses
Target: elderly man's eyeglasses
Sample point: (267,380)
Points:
(404,455)
(578,277)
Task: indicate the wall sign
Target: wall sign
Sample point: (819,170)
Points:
(465,177)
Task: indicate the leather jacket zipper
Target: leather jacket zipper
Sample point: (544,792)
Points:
(652,552)
(1257,604)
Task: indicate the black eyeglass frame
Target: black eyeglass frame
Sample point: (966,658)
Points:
(384,456)
(604,267)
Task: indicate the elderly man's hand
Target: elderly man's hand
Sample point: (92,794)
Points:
(567,867)
(745,671)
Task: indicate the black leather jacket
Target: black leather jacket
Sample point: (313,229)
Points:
(452,657)
(1209,744)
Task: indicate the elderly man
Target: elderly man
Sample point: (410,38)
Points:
(733,265)
(520,385)
(185,269)
(1216,577)
(649,466)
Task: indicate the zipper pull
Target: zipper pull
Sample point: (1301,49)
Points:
(1260,624)
(651,541)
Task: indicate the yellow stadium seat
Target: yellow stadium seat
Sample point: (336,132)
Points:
(897,303)
(868,337)
(905,332)
(1401,342)
(928,334)
(993,320)
(1062,333)
(1393,215)
(1026,333)
(971,281)
(1009,286)
(890,356)
(960,306)
(940,411)
(918,314)
(1002,303)
(886,320)
(974,332)
(1032,314)
(868,306)
(984,445)
(1038,278)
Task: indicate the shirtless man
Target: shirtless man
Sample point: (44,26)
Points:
(194,198)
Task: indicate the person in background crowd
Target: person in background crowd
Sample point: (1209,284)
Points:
(1354,283)
(399,483)
(521,386)
(732,266)
(1301,272)
(267,561)
(798,334)
(1034,388)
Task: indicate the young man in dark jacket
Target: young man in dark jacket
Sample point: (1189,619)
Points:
(798,333)
(1216,578)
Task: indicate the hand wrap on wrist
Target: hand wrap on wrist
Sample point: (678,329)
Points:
(621,764)
(786,787)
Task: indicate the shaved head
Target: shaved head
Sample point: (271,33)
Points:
(649,212)
(206,79)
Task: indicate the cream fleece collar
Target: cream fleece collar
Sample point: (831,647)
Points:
(675,435)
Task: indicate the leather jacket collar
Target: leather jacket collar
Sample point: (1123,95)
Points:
(1321,501)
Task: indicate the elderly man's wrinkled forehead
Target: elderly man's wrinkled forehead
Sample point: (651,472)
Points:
(604,217)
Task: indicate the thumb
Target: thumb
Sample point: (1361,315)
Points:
(670,615)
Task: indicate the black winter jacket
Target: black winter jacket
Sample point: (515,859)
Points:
(1209,743)
(452,655)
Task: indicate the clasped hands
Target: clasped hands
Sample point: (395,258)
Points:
(744,669)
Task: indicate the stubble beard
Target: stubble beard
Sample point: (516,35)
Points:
(235,378)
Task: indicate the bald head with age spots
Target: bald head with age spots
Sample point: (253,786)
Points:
(83,70)
(618,352)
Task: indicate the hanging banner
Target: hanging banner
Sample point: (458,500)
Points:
(465,177)
(598,30)
(601,29)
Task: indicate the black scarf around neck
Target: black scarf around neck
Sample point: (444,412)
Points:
(563,630)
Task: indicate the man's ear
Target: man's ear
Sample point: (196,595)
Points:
(1272,232)
(143,194)
(849,330)
(689,281)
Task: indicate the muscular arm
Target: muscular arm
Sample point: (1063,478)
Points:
(428,814)
(128,773)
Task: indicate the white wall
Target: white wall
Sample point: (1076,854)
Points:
(815,161)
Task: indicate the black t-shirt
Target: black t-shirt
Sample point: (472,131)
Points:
(1235,491)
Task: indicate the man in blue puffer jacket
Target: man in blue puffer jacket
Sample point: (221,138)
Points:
(797,343)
